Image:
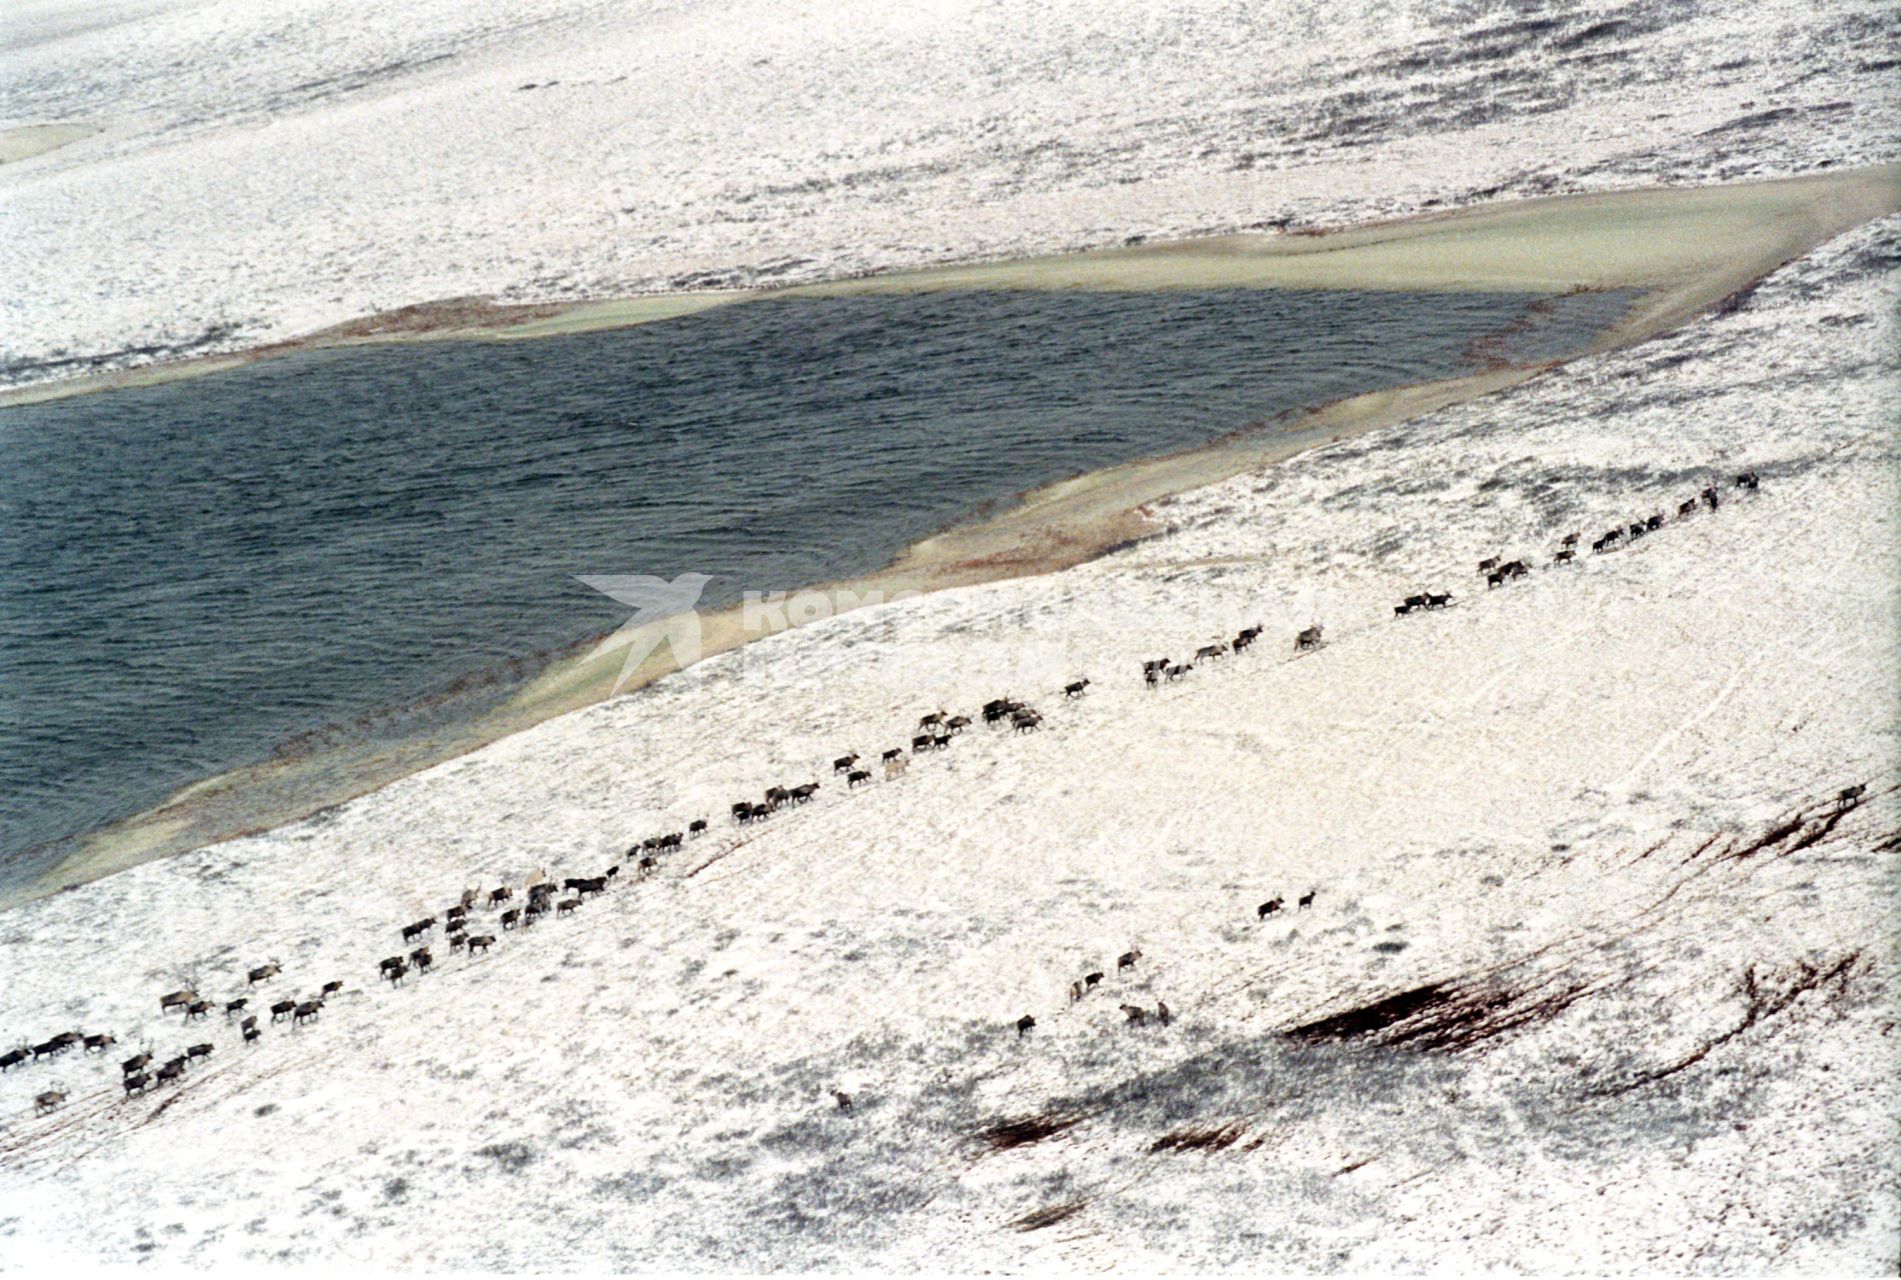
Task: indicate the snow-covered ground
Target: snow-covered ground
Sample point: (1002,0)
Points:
(262,171)
(1658,1030)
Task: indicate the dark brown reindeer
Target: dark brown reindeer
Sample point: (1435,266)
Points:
(1024,1024)
(1849,797)
(1267,908)
(283,1009)
(497,897)
(235,1006)
(176,1000)
(1091,979)
(845,764)
(1135,1014)
(1075,688)
(306,1012)
(262,973)
(100,1043)
(1308,639)
(1209,652)
(1306,900)
(843,1099)
(1127,959)
(481,943)
(138,1063)
(857,777)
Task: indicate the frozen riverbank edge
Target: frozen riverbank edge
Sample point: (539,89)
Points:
(1595,979)
(1688,243)
(1688,249)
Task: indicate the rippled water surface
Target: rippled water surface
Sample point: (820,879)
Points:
(194,575)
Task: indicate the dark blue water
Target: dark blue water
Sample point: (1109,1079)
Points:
(194,575)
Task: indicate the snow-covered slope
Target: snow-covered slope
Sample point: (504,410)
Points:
(1614,1011)
(266,170)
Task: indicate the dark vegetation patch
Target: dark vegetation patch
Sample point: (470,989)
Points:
(1201,1138)
(511,1157)
(1049,1215)
(1024,1131)
(1450,1016)
(1765,993)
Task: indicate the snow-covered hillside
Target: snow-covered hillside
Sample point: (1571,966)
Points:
(262,171)
(1595,977)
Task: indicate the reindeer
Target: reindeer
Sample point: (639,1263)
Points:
(135,1064)
(1161,1012)
(1306,900)
(857,777)
(197,1009)
(1135,1013)
(1127,959)
(13,1058)
(1267,908)
(481,943)
(100,1043)
(51,1100)
(411,932)
(330,988)
(1026,721)
(196,1052)
(697,827)
(284,1008)
(1308,639)
(176,1000)
(957,724)
(845,764)
(262,973)
(566,905)
(1569,540)
(1091,979)
(1075,992)
(1209,652)
(894,753)
(305,1012)
(1177,671)
(498,896)
(136,1084)
(512,917)
(894,767)
(236,1006)
(394,973)
(1488,564)
(803,793)
(1024,1024)
(421,959)
(1849,797)
(843,1099)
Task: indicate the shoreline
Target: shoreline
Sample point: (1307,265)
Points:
(1719,242)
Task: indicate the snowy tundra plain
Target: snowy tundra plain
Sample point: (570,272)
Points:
(1595,977)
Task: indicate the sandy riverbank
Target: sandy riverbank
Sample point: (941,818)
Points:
(1688,249)
(26,141)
